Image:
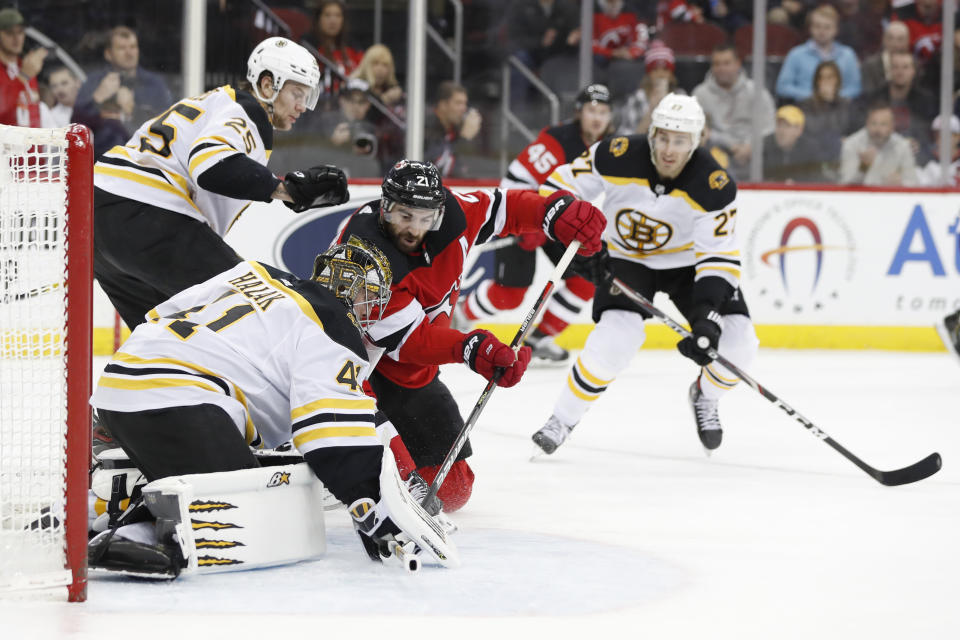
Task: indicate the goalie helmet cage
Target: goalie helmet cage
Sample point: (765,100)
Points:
(46,279)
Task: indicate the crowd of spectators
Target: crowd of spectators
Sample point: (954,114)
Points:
(853,102)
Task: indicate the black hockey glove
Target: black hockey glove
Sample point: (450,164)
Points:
(595,268)
(708,325)
(321,186)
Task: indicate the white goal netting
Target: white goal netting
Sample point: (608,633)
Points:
(33,371)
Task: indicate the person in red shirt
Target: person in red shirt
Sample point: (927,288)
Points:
(19,95)
(617,35)
(426,232)
(329,37)
(515,266)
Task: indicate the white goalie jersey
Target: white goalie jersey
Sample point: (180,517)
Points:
(164,158)
(282,356)
(687,221)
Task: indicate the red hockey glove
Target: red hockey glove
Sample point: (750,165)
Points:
(568,219)
(483,353)
(530,241)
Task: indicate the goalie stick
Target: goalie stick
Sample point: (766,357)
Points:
(430,502)
(912,473)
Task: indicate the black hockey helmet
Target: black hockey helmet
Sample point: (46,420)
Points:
(413,184)
(352,267)
(594,93)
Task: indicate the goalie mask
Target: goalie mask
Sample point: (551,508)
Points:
(285,60)
(413,187)
(677,113)
(359,274)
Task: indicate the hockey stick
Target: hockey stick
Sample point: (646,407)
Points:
(430,503)
(913,473)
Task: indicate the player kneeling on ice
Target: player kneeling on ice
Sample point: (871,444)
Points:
(427,230)
(252,358)
(671,227)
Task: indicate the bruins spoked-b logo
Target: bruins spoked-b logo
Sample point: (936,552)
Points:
(639,232)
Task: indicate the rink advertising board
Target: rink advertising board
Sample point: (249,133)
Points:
(821,269)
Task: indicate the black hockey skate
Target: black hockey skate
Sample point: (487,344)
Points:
(949,330)
(545,350)
(706,417)
(108,552)
(552,435)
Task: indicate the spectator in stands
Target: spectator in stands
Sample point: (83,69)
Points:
(875,70)
(377,69)
(728,96)
(447,128)
(348,127)
(791,13)
(127,93)
(913,106)
(678,11)
(795,81)
(923,20)
(860,26)
(538,30)
(19,94)
(788,155)
(64,87)
(729,14)
(720,153)
(330,39)
(619,42)
(929,175)
(659,80)
(828,116)
(876,154)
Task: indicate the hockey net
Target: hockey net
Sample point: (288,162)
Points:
(46,233)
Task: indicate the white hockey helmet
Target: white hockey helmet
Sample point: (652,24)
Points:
(678,113)
(285,60)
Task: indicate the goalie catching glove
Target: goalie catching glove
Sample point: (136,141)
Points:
(483,353)
(567,219)
(397,525)
(321,186)
(706,328)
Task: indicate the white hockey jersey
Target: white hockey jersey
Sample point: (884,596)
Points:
(282,356)
(161,163)
(690,220)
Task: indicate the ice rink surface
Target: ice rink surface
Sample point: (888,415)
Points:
(629,530)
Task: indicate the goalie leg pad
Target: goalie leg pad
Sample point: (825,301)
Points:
(237,520)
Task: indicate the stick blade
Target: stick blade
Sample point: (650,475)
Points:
(914,473)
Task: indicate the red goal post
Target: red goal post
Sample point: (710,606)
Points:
(46,303)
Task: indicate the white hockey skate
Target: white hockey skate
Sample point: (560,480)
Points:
(552,435)
(706,417)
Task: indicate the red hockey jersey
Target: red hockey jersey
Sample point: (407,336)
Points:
(554,146)
(414,331)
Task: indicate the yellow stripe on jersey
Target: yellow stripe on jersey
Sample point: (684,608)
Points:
(201,157)
(230,92)
(249,430)
(237,217)
(368,404)
(555,177)
(647,254)
(305,306)
(683,194)
(106,380)
(133,176)
(731,270)
(700,254)
(640,182)
(334,432)
(125,152)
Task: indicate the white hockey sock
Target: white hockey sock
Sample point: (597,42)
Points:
(609,349)
(738,343)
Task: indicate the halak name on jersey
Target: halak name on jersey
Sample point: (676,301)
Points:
(161,163)
(662,224)
(282,356)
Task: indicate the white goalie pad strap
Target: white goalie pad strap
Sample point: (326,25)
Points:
(236,520)
(427,532)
